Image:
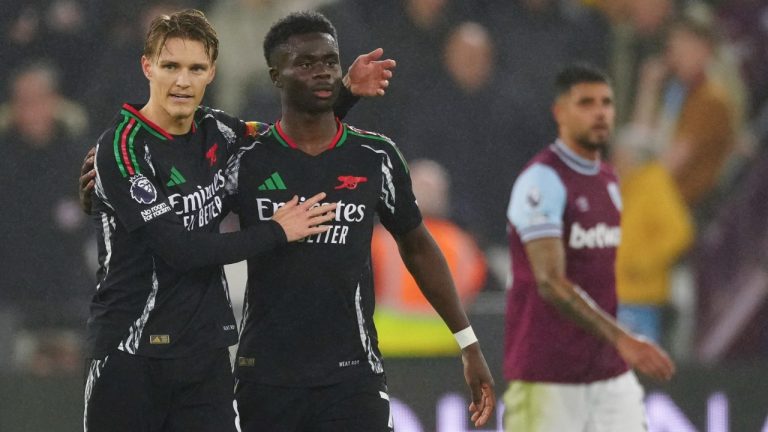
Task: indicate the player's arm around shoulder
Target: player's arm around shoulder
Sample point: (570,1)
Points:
(426,263)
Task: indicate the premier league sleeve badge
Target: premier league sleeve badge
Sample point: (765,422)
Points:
(142,190)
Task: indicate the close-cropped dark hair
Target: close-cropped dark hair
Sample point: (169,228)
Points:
(295,24)
(188,24)
(578,73)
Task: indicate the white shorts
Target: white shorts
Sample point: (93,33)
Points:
(610,405)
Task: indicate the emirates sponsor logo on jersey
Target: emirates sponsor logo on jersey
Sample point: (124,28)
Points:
(346,213)
(202,206)
(599,236)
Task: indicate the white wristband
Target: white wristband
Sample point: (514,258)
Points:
(465,337)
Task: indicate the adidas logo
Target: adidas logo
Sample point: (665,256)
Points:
(176,178)
(274,182)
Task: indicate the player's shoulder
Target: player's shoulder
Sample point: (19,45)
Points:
(369,139)
(257,129)
(374,138)
(373,141)
(206,113)
(124,139)
(539,173)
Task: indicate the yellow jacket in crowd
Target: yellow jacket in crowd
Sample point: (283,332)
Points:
(656,229)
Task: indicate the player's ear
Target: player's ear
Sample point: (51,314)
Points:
(274,75)
(557,110)
(146,67)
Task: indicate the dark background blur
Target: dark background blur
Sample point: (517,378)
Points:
(472,91)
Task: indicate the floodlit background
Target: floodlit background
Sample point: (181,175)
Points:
(470,101)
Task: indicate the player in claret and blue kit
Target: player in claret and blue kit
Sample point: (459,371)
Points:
(566,359)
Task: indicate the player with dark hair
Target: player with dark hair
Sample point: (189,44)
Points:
(161,319)
(566,358)
(308,358)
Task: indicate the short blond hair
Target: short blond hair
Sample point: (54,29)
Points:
(188,24)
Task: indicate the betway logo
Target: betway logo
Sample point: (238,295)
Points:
(347,212)
(599,236)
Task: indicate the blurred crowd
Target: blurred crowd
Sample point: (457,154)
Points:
(471,99)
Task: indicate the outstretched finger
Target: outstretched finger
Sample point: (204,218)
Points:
(317,219)
(308,204)
(293,202)
(386,64)
(373,55)
(322,209)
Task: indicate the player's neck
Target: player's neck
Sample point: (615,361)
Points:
(157,115)
(312,133)
(581,151)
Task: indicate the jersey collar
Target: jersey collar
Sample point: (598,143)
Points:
(145,122)
(286,141)
(574,161)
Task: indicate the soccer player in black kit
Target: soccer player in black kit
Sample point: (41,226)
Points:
(308,358)
(161,319)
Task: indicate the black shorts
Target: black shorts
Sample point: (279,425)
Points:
(128,393)
(350,406)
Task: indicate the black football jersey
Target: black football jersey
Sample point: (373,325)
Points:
(308,317)
(142,305)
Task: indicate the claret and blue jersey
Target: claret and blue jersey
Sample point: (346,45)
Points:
(560,195)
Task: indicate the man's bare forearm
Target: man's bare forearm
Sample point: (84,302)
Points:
(427,265)
(576,304)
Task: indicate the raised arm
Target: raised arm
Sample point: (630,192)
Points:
(547,259)
(426,263)
(367,77)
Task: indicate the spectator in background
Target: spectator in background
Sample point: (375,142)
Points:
(53,29)
(410,31)
(241,69)
(686,113)
(744,22)
(468,121)
(116,62)
(637,33)
(406,323)
(42,263)
(656,230)
(538,37)
(730,264)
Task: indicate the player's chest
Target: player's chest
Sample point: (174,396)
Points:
(192,175)
(592,215)
(352,180)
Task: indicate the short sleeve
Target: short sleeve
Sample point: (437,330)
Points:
(125,178)
(537,204)
(397,207)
